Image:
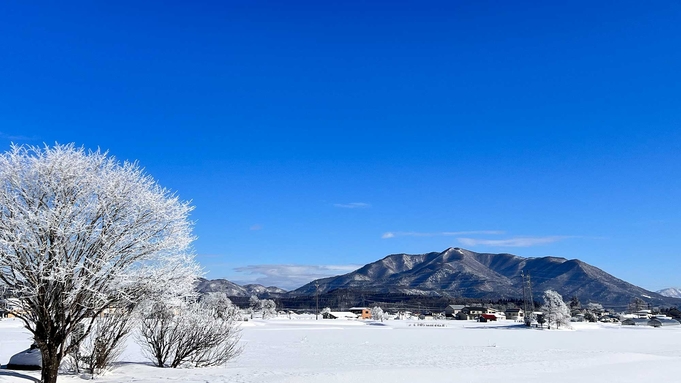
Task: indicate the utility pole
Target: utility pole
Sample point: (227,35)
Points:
(550,310)
(316,293)
(528,300)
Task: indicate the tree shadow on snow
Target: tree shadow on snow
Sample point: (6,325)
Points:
(5,372)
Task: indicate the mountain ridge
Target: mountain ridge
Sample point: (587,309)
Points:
(460,273)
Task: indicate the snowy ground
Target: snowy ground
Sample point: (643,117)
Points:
(329,351)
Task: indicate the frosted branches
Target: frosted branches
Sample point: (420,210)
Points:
(80,232)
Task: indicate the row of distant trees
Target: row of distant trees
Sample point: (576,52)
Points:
(93,248)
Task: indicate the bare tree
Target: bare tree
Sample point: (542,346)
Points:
(192,333)
(80,232)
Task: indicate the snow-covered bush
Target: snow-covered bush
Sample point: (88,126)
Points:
(80,232)
(194,333)
(105,342)
(555,310)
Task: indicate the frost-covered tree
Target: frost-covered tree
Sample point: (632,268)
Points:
(594,309)
(377,313)
(81,232)
(555,310)
(222,305)
(254,305)
(269,308)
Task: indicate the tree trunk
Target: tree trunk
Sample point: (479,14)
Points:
(51,361)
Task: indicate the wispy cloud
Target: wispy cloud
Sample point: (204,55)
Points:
(353,205)
(393,234)
(511,242)
(288,276)
(256,227)
(16,137)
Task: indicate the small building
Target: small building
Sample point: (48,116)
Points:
(643,314)
(361,312)
(452,310)
(339,315)
(487,318)
(471,312)
(515,315)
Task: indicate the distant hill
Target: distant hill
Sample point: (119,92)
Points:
(672,292)
(232,289)
(460,273)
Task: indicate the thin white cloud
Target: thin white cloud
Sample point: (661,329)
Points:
(511,242)
(288,276)
(14,137)
(353,205)
(393,234)
(256,227)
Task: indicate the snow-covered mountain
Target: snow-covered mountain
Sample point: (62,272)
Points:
(232,289)
(462,273)
(672,292)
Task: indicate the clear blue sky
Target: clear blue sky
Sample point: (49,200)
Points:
(323,135)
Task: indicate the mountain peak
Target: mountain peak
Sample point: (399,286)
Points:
(672,292)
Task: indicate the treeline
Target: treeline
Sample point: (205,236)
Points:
(343,299)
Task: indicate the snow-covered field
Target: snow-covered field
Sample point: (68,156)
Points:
(283,350)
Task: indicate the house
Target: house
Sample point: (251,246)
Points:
(643,314)
(515,315)
(339,315)
(361,312)
(487,318)
(609,318)
(452,310)
(471,312)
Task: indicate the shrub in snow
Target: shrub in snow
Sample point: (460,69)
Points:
(80,232)
(555,310)
(192,333)
(106,341)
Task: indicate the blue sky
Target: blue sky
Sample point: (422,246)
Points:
(313,137)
